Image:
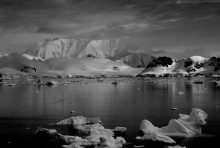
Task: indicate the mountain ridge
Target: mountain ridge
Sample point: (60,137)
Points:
(108,49)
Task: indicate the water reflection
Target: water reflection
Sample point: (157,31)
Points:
(124,104)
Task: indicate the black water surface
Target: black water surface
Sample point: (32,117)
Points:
(26,107)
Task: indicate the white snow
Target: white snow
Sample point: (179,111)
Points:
(3,55)
(30,57)
(198,59)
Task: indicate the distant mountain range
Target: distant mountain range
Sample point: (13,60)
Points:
(107,49)
(192,66)
(103,57)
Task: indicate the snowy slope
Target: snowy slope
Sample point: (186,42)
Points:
(90,67)
(84,66)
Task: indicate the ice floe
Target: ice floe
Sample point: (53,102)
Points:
(95,134)
(185,126)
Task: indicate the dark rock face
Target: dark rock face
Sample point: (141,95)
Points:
(215,62)
(164,61)
(140,60)
(29,69)
(188,62)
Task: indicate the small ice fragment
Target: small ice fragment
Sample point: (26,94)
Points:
(176,146)
(138,145)
(120,129)
(174,108)
(181,93)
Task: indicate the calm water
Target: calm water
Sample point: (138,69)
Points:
(25,107)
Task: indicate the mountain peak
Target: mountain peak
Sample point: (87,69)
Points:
(78,48)
(198,59)
(65,47)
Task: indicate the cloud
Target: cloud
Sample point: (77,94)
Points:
(196,1)
(150,24)
(135,26)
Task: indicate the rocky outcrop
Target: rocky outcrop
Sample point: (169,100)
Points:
(163,61)
(28,69)
(139,60)
(193,66)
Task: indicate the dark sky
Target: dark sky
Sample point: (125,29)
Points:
(176,28)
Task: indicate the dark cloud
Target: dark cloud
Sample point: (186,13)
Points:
(149,24)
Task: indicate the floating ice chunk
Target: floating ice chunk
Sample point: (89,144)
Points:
(147,127)
(185,126)
(156,137)
(120,129)
(97,135)
(109,143)
(79,120)
(174,108)
(152,133)
(77,142)
(198,116)
(180,93)
(176,146)
(99,138)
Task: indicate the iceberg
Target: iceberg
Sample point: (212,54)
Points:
(97,136)
(78,120)
(152,133)
(184,126)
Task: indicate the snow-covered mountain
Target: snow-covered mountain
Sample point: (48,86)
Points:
(198,59)
(165,66)
(30,57)
(64,47)
(108,49)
